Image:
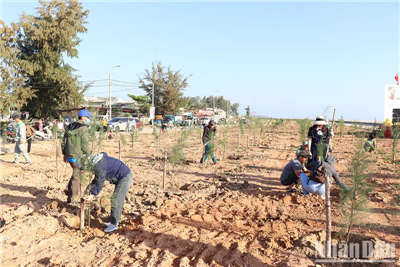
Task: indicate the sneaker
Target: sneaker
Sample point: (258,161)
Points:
(111,228)
(16,162)
(28,163)
(106,224)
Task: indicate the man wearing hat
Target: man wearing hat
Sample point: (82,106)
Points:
(291,173)
(110,169)
(75,144)
(20,139)
(304,146)
(318,134)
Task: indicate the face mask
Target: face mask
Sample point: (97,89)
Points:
(87,121)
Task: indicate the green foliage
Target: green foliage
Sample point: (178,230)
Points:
(304,125)
(177,154)
(241,125)
(133,137)
(356,128)
(168,87)
(156,133)
(4,132)
(235,109)
(341,125)
(13,93)
(247,111)
(123,140)
(321,146)
(143,103)
(42,41)
(356,200)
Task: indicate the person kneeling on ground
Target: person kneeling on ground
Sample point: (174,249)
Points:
(370,145)
(304,146)
(291,173)
(313,187)
(117,173)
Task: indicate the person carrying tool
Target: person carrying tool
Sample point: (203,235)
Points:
(75,143)
(209,132)
(20,138)
(110,169)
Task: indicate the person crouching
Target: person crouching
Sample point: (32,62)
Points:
(110,169)
(291,173)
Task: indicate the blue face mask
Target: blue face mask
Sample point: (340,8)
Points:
(87,121)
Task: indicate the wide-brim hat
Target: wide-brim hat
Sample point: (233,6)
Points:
(320,120)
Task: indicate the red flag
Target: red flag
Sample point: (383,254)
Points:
(397,78)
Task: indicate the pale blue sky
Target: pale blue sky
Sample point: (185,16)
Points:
(283,59)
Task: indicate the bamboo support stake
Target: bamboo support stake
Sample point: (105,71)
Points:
(58,176)
(328,217)
(165,169)
(119,149)
(82,225)
(89,214)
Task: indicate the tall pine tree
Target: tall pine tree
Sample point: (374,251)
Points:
(13,93)
(43,40)
(168,88)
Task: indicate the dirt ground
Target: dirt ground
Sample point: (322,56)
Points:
(235,213)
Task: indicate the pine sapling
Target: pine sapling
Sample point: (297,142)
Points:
(354,201)
(241,125)
(304,124)
(341,125)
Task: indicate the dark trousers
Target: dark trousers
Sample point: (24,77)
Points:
(292,179)
(74,183)
(207,151)
(118,198)
(29,144)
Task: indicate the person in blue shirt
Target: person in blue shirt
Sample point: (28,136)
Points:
(114,171)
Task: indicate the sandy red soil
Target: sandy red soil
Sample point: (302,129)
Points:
(235,213)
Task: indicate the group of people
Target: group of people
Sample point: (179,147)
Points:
(311,157)
(76,151)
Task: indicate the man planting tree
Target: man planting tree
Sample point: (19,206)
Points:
(291,173)
(110,169)
(75,144)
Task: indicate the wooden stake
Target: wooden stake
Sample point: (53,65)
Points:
(328,217)
(119,149)
(239,141)
(248,144)
(89,214)
(58,176)
(82,214)
(165,169)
